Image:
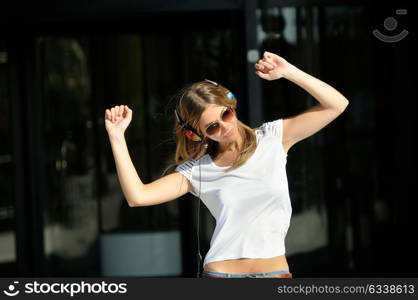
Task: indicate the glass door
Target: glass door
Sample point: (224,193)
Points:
(8,266)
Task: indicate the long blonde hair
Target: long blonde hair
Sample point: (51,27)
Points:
(195,98)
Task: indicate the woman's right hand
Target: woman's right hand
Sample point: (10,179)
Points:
(117,119)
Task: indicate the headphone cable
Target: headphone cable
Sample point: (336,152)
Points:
(199,256)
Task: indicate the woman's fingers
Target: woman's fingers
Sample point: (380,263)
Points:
(260,67)
(270,61)
(112,113)
(262,75)
(127,111)
(115,116)
(121,110)
(269,55)
(266,64)
(266,53)
(263,67)
(117,112)
(262,64)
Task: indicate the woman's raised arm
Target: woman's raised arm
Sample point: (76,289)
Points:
(137,193)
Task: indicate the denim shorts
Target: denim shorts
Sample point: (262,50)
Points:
(281,273)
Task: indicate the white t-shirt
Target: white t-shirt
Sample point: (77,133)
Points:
(251,204)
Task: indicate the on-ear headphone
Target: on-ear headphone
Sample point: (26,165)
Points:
(190,133)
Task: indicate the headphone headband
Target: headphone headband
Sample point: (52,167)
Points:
(179,119)
(210,81)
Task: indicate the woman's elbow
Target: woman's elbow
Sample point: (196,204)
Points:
(133,201)
(132,204)
(343,106)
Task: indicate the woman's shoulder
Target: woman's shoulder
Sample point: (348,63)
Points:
(270,128)
(189,164)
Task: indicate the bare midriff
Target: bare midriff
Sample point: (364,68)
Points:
(249,265)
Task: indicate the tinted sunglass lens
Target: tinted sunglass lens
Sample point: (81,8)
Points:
(228,114)
(212,129)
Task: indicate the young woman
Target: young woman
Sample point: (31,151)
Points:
(238,172)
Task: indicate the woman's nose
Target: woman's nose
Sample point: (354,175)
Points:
(225,127)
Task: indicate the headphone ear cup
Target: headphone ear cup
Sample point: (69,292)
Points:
(192,135)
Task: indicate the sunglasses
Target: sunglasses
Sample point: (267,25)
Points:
(227,115)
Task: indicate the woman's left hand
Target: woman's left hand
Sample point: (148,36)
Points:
(272,66)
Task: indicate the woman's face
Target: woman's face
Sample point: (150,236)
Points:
(227,131)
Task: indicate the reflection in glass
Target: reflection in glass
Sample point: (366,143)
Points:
(70,218)
(7,210)
(284,31)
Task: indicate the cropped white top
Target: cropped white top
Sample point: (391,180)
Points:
(251,204)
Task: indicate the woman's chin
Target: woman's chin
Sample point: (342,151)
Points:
(230,136)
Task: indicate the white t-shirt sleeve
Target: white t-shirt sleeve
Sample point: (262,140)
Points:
(274,128)
(186,169)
